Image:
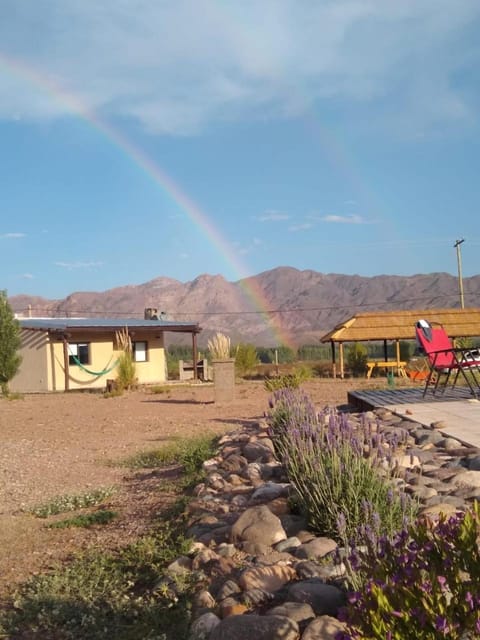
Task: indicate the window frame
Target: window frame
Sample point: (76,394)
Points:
(145,350)
(78,354)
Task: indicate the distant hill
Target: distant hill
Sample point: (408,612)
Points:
(303,305)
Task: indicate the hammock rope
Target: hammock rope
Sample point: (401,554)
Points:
(92,373)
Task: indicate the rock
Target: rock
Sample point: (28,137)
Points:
(316,548)
(324,599)
(203,626)
(228,588)
(468,479)
(180,566)
(232,607)
(256,627)
(474,464)
(298,611)
(269,491)
(266,578)
(449,443)
(323,628)
(234,463)
(288,545)
(433,512)
(204,600)
(259,451)
(325,571)
(258,525)
(439,424)
(407,460)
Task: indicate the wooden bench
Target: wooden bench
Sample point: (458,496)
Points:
(185,370)
(388,365)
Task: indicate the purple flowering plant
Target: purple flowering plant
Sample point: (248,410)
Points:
(341,470)
(424,583)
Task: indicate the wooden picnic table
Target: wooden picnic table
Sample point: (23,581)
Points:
(383,364)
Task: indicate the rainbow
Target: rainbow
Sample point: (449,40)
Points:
(74,105)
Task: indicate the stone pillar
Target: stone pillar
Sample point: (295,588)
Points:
(224,380)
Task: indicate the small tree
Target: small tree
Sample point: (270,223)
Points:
(9,343)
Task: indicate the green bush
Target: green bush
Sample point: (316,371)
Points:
(289,380)
(246,359)
(357,359)
(423,584)
(126,373)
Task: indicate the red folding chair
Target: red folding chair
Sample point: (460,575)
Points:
(447,362)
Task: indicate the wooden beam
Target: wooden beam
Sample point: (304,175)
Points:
(397,346)
(342,369)
(66,366)
(195,356)
(334,365)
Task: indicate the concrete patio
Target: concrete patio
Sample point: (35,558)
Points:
(457,409)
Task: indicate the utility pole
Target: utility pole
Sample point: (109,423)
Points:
(459,264)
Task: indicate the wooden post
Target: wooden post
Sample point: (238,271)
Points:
(334,364)
(385,352)
(397,345)
(342,369)
(66,367)
(195,356)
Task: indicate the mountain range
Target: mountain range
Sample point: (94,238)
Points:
(280,306)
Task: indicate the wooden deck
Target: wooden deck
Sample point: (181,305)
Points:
(367,399)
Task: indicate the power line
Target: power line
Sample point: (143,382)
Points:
(263,312)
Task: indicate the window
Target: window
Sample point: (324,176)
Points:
(78,353)
(140,351)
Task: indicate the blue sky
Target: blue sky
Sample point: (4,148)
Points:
(143,139)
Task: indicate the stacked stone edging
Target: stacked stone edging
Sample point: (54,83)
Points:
(260,572)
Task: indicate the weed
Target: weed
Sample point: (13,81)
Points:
(62,504)
(106,595)
(190,453)
(86,521)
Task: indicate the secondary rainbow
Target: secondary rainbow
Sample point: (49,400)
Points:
(76,107)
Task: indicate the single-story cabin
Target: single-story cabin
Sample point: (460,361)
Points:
(394,326)
(60,354)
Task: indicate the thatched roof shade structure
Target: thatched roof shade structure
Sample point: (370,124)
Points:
(399,325)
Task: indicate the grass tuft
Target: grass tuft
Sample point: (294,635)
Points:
(190,453)
(63,504)
(87,520)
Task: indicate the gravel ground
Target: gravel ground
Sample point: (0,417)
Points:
(61,444)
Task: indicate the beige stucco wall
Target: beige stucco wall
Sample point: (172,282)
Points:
(42,368)
(34,374)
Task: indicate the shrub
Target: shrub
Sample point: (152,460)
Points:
(246,358)
(288,380)
(423,584)
(340,471)
(357,359)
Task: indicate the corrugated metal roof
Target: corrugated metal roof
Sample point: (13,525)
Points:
(400,325)
(64,324)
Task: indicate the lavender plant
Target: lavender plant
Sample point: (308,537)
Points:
(423,584)
(339,470)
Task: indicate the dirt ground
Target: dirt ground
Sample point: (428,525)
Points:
(61,444)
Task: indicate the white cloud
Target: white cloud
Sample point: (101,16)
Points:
(78,265)
(27,276)
(12,235)
(301,227)
(272,216)
(351,219)
(176,67)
